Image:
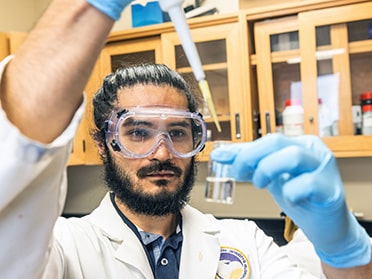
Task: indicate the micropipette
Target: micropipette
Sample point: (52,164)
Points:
(176,14)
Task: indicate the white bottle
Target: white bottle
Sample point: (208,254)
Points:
(293,118)
(367,120)
(324,120)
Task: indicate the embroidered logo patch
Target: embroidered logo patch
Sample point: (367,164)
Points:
(233,264)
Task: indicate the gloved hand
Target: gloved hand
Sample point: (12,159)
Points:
(302,176)
(112,8)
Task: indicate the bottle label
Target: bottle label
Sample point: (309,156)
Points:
(293,120)
(367,121)
(293,130)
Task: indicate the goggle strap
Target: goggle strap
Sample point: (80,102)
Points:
(120,113)
(115,146)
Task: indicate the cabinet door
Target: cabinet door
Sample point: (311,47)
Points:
(219,51)
(114,55)
(337,64)
(322,58)
(130,52)
(276,45)
(10,42)
(4,51)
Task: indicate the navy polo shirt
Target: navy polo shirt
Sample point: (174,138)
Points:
(164,255)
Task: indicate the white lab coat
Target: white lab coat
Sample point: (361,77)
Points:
(100,245)
(301,251)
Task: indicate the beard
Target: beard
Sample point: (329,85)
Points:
(160,204)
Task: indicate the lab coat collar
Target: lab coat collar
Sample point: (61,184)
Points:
(200,248)
(201,245)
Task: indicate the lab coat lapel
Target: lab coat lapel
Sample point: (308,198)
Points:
(130,250)
(201,246)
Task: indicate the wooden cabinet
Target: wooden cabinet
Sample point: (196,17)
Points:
(321,56)
(254,61)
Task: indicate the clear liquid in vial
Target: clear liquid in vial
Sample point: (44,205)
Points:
(220,189)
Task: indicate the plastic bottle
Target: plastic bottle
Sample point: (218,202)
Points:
(366,104)
(293,118)
(367,120)
(357,119)
(324,119)
(366,99)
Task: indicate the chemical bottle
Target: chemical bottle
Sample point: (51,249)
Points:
(365,99)
(367,120)
(366,105)
(324,120)
(293,118)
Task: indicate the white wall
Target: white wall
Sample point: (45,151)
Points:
(20,15)
(17,15)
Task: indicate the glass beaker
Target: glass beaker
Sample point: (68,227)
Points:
(220,185)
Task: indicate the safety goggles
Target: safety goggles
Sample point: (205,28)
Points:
(137,132)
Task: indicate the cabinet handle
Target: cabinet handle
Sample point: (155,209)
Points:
(267,122)
(237,125)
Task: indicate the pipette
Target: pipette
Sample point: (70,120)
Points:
(176,14)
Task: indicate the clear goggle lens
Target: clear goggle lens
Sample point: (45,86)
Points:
(137,132)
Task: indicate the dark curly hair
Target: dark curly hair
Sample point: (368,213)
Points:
(106,98)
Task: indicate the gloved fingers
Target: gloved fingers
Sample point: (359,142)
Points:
(293,190)
(288,174)
(265,145)
(226,154)
(303,178)
(246,157)
(249,155)
(291,160)
(251,152)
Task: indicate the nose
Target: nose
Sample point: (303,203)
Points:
(161,152)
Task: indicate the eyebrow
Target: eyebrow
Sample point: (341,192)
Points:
(135,122)
(183,123)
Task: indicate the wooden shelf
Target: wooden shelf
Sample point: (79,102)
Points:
(350,146)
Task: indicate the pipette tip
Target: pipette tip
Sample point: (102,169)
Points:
(204,88)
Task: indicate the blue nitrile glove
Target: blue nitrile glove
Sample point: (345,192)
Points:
(302,176)
(112,8)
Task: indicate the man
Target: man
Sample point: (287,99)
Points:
(129,235)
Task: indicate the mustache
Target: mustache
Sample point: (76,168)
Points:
(157,167)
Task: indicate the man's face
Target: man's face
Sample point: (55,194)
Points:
(160,183)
